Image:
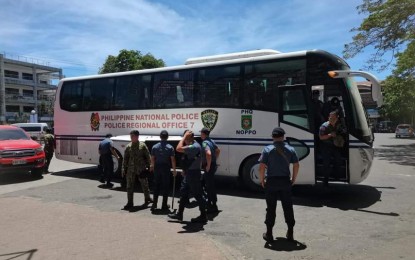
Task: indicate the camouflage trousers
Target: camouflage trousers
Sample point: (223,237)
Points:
(131,178)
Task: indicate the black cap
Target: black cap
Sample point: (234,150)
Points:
(278,132)
(108,135)
(205,130)
(164,134)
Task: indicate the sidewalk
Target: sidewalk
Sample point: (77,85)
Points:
(33,229)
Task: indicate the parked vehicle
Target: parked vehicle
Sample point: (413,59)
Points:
(404,130)
(34,129)
(385,127)
(19,153)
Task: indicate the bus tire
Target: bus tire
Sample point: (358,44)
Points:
(250,173)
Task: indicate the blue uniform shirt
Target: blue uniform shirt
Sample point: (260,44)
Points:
(105,146)
(162,151)
(277,165)
(193,152)
(209,144)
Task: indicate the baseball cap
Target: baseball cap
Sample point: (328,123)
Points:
(205,130)
(278,132)
(164,133)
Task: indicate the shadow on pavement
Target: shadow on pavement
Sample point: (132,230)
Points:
(190,227)
(6,179)
(338,195)
(398,154)
(282,244)
(20,255)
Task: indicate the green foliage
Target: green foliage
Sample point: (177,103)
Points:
(128,60)
(399,97)
(389,27)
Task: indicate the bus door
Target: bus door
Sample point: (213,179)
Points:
(333,99)
(294,118)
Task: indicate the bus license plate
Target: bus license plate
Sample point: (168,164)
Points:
(19,162)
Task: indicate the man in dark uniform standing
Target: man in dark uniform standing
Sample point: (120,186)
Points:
(210,153)
(276,158)
(106,150)
(49,148)
(162,159)
(191,180)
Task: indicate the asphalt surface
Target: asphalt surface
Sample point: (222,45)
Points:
(68,215)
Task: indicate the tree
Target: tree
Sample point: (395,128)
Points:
(390,27)
(128,60)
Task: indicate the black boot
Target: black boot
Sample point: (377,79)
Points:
(290,234)
(178,216)
(130,203)
(128,206)
(267,236)
(155,199)
(200,219)
(212,208)
(165,206)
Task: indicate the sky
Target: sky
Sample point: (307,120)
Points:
(78,35)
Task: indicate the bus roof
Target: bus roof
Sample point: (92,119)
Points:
(264,57)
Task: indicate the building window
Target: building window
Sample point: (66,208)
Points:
(27,109)
(27,76)
(27,93)
(15,109)
(12,91)
(11,74)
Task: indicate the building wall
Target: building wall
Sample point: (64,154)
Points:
(25,87)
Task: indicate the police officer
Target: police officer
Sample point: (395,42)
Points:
(49,148)
(162,158)
(191,180)
(106,150)
(276,158)
(136,159)
(210,154)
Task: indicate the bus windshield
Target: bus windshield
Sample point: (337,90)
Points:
(359,117)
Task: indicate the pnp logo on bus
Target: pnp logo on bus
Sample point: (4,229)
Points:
(210,118)
(95,122)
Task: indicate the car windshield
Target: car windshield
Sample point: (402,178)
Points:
(13,134)
(403,126)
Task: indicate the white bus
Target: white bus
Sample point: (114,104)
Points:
(241,97)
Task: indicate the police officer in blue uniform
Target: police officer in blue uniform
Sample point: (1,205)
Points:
(276,159)
(210,153)
(162,160)
(191,182)
(106,150)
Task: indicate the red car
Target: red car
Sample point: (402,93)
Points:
(19,153)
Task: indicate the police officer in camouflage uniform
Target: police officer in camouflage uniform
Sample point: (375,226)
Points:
(162,160)
(136,159)
(49,148)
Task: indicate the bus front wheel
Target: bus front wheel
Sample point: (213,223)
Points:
(250,173)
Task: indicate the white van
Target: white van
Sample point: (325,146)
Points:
(34,129)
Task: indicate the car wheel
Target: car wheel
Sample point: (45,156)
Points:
(250,173)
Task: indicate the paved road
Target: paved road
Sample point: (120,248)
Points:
(68,216)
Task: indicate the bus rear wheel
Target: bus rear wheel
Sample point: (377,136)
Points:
(250,173)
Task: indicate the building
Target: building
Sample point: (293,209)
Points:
(26,88)
(365,90)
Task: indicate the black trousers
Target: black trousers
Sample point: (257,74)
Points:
(48,158)
(279,188)
(191,184)
(161,179)
(329,151)
(209,180)
(107,166)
